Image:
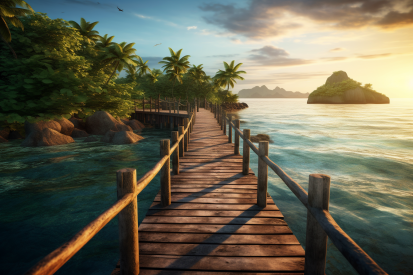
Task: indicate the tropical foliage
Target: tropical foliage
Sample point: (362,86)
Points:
(53,76)
(175,66)
(227,77)
(338,89)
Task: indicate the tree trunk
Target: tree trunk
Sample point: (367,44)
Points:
(117,63)
(11,49)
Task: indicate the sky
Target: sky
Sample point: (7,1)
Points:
(292,44)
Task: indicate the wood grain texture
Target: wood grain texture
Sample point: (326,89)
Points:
(213,223)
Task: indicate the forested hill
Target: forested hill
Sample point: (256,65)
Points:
(264,92)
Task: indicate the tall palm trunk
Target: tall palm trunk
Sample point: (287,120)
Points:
(11,49)
(117,63)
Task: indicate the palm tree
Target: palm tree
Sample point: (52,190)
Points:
(8,14)
(86,29)
(197,73)
(142,67)
(177,64)
(104,42)
(120,55)
(153,76)
(227,77)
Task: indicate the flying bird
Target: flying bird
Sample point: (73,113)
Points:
(157,44)
(119,9)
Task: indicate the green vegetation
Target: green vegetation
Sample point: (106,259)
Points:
(338,89)
(63,68)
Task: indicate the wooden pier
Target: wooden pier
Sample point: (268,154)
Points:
(212,214)
(213,223)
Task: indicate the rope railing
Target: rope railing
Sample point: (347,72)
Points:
(320,223)
(128,188)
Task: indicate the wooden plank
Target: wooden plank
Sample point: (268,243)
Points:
(166,237)
(215,189)
(268,264)
(146,271)
(216,228)
(205,206)
(194,199)
(214,220)
(212,213)
(221,186)
(213,195)
(286,250)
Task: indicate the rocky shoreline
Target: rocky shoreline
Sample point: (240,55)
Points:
(231,107)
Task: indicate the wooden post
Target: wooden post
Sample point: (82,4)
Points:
(236,141)
(215,112)
(186,121)
(143,109)
(171,122)
(316,238)
(219,116)
(150,104)
(262,175)
(224,115)
(169,104)
(175,155)
(128,223)
(229,128)
(246,153)
(182,142)
(197,104)
(166,174)
(205,104)
(159,103)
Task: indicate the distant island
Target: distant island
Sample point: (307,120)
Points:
(264,92)
(341,89)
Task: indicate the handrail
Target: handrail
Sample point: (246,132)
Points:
(56,259)
(354,254)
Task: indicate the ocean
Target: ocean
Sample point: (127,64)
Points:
(48,194)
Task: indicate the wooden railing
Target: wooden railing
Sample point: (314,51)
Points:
(126,206)
(320,224)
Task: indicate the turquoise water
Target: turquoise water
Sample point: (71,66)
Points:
(48,194)
(367,150)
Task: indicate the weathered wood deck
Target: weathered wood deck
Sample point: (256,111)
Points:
(213,224)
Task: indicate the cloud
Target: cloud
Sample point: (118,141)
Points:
(296,76)
(263,19)
(223,55)
(154,19)
(191,28)
(91,3)
(275,57)
(336,50)
(372,56)
(336,58)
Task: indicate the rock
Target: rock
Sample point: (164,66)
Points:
(15,135)
(77,133)
(78,123)
(90,138)
(4,132)
(101,122)
(30,127)
(67,126)
(2,139)
(234,106)
(355,95)
(108,137)
(325,99)
(46,137)
(261,137)
(126,137)
(337,77)
(134,124)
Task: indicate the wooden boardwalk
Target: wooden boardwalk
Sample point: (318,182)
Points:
(213,224)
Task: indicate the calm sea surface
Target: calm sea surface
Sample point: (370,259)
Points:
(48,194)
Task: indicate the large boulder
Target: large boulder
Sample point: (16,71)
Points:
(261,137)
(67,126)
(108,137)
(46,137)
(134,124)
(39,126)
(77,133)
(337,77)
(125,137)
(101,122)
(4,132)
(78,123)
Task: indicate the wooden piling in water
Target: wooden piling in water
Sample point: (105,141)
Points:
(175,155)
(165,174)
(236,141)
(246,153)
(128,222)
(229,128)
(316,238)
(262,175)
(182,142)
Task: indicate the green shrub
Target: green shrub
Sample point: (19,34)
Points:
(338,89)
